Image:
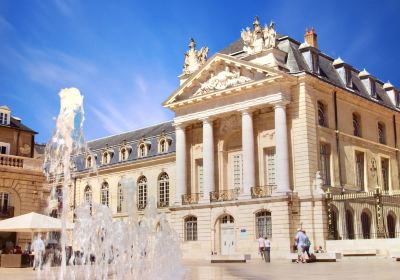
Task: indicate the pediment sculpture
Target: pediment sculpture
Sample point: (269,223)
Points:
(259,38)
(194,58)
(223,80)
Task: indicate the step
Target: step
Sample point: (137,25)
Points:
(237,258)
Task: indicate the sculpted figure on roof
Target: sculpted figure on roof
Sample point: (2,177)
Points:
(194,58)
(258,39)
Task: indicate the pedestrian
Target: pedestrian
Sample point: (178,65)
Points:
(299,241)
(267,249)
(38,249)
(307,244)
(261,245)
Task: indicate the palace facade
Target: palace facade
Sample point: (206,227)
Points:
(270,134)
(22,188)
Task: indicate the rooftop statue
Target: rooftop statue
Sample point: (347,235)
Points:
(259,38)
(193,58)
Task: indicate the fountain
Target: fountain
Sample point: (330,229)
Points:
(146,248)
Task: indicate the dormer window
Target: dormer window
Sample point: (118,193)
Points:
(315,62)
(373,88)
(163,144)
(143,148)
(349,81)
(89,162)
(5,115)
(106,157)
(124,153)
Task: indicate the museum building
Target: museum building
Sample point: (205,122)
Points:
(270,135)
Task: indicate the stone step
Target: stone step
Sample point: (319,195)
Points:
(237,258)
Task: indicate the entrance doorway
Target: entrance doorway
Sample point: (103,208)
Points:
(227,231)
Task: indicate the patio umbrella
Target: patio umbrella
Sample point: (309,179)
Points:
(32,222)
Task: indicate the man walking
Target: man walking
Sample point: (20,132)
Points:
(267,249)
(300,242)
(38,249)
(261,245)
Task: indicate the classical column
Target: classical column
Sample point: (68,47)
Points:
(180,163)
(248,153)
(281,149)
(208,159)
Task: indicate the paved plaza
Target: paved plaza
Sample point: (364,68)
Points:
(370,269)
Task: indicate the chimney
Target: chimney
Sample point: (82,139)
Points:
(311,38)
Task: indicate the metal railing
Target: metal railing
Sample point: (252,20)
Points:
(191,198)
(262,191)
(224,195)
(162,204)
(7,212)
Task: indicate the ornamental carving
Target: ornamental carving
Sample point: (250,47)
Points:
(25,150)
(259,38)
(230,124)
(224,79)
(193,58)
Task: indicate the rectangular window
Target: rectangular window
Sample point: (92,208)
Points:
(324,161)
(373,88)
(1,118)
(236,170)
(359,170)
(270,167)
(315,63)
(385,173)
(4,202)
(349,82)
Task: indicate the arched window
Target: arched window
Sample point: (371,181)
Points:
(322,117)
(263,224)
(88,195)
(89,162)
(365,225)
(104,194)
(163,146)
(349,224)
(227,219)
(191,228)
(381,133)
(123,154)
(391,225)
(120,198)
(106,157)
(163,190)
(356,125)
(142,151)
(142,192)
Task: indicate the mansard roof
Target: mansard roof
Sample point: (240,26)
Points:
(296,64)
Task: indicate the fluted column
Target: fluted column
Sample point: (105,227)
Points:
(208,159)
(281,148)
(180,163)
(248,153)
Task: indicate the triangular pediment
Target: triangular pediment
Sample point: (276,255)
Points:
(221,73)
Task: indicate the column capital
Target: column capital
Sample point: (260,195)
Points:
(179,125)
(246,111)
(280,103)
(208,119)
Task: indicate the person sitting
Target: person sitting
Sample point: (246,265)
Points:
(319,250)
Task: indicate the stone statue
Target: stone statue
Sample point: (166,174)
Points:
(193,58)
(258,39)
(224,79)
(318,183)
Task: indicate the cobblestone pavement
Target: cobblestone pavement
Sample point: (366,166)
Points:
(369,269)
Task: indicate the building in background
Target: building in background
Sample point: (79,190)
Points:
(22,188)
(269,135)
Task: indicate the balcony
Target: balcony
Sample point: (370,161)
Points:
(262,191)
(224,195)
(6,212)
(192,198)
(16,162)
(162,204)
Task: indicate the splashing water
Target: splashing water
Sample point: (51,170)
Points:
(103,248)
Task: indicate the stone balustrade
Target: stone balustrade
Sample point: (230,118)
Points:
(262,191)
(224,195)
(192,198)
(26,163)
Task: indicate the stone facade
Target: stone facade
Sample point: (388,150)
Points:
(250,133)
(22,188)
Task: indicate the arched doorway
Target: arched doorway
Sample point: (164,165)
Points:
(391,225)
(349,224)
(365,225)
(227,234)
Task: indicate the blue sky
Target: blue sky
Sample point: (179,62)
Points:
(125,56)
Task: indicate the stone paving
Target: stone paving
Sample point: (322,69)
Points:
(382,269)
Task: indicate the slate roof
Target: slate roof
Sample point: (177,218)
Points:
(133,138)
(17,124)
(296,64)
